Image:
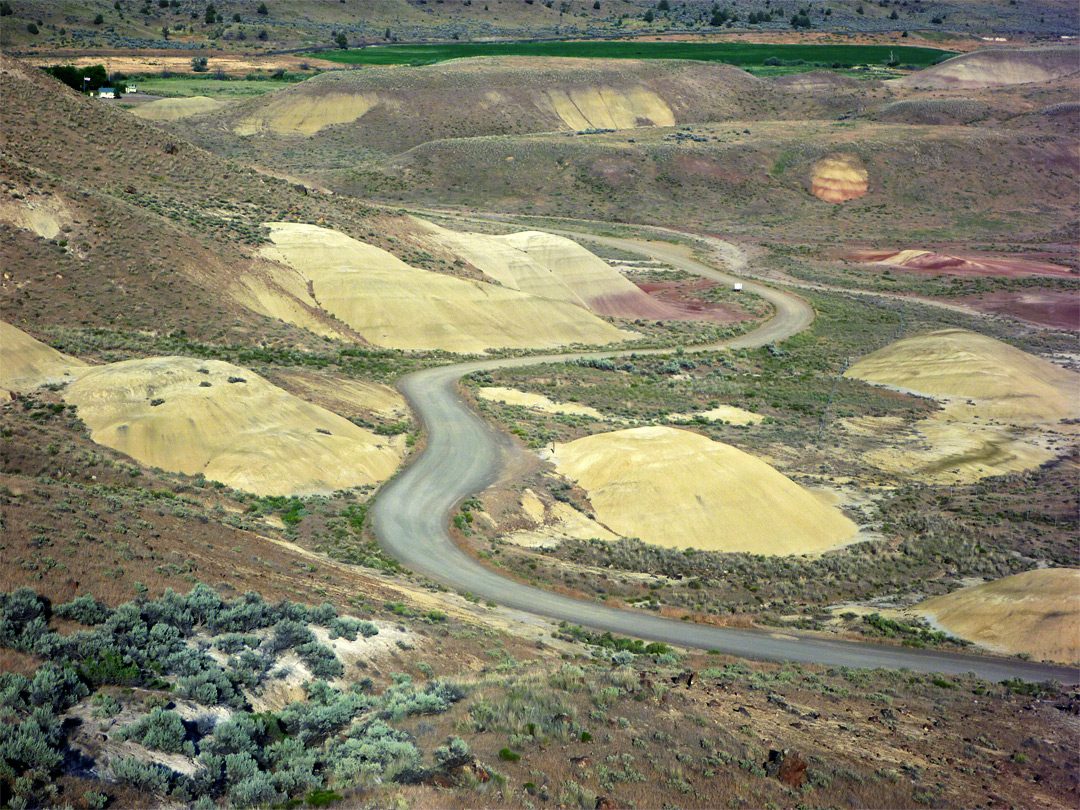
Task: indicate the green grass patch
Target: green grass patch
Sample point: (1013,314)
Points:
(187,86)
(743,54)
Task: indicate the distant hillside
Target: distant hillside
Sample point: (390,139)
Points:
(1000,66)
(378,109)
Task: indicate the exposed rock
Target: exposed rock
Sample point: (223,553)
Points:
(787,766)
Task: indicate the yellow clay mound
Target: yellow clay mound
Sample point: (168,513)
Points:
(304,113)
(678,489)
(173,109)
(1036,612)
(550,266)
(838,178)
(184,415)
(26,363)
(392,304)
(1005,382)
(607,107)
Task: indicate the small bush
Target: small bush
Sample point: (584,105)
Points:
(508,755)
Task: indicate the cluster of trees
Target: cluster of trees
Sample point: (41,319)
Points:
(88,79)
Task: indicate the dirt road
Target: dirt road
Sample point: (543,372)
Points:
(464,455)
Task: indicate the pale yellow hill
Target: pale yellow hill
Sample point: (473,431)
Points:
(678,489)
(26,362)
(1005,382)
(173,109)
(999,66)
(1036,612)
(551,266)
(392,304)
(184,415)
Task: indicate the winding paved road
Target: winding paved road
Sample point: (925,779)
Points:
(464,455)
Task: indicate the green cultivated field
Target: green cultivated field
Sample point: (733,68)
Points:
(745,55)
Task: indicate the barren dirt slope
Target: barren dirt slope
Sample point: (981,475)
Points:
(1004,381)
(1036,612)
(227,423)
(679,489)
(393,304)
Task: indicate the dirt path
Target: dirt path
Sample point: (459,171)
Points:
(464,455)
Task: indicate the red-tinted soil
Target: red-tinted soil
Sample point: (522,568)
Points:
(1057,309)
(683,306)
(966,266)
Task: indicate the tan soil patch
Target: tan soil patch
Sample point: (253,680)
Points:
(555,521)
(838,178)
(1036,612)
(173,109)
(943,451)
(723,413)
(26,362)
(393,304)
(157,62)
(678,489)
(345,396)
(307,113)
(537,402)
(165,412)
(1005,382)
(43,214)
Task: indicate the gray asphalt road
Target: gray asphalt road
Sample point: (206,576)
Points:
(464,455)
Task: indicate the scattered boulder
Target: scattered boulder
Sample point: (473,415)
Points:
(787,766)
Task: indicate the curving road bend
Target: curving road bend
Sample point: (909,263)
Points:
(464,455)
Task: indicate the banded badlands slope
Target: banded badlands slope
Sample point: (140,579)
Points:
(1036,613)
(228,424)
(493,96)
(393,304)
(550,266)
(999,66)
(1003,381)
(26,362)
(206,417)
(677,489)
